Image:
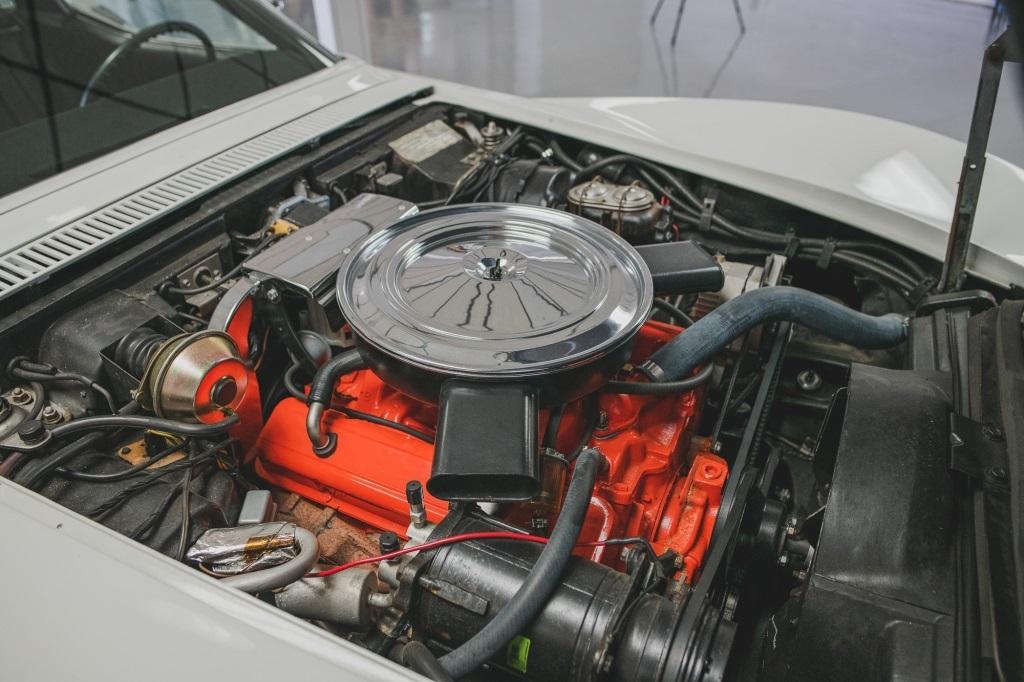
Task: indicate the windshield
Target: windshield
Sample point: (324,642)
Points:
(79,78)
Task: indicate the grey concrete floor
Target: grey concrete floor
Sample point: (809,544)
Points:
(912,60)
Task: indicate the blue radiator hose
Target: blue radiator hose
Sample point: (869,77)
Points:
(701,342)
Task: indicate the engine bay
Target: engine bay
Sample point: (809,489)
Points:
(496,404)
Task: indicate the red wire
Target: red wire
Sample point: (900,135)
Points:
(483,535)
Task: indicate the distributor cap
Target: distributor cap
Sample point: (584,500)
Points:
(495,291)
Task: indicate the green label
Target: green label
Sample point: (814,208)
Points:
(518,653)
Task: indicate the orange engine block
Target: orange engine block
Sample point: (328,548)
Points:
(656,485)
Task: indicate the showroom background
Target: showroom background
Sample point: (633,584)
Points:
(912,60)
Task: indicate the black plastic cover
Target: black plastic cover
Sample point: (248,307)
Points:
(996,381)
(682,268)
(526,181)
(486,448)
(881,597)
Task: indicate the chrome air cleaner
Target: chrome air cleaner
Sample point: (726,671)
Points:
(491,311)
(494,292)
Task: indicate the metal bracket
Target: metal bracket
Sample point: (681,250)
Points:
(1002,50)
(977,450)
(827,249)
(977,300)
(707,212)
(454,594)
(272,305)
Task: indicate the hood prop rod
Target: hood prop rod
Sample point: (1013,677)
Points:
(1003,49)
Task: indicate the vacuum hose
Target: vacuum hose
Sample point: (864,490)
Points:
(533,594)
(417,656)
(701,342)
(320,391)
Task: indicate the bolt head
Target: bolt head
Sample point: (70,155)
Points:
(273,295)
(31,431)
(388,542)
(992,432)
(808,380)
(997,473)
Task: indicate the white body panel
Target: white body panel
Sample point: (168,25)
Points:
(81,602)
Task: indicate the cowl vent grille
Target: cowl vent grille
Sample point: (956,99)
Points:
(35,261)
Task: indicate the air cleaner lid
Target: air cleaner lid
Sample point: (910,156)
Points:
(494,290)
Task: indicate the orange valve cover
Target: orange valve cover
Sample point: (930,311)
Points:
(653,487)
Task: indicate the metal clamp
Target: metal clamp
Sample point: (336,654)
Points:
(707,212)
(977,450)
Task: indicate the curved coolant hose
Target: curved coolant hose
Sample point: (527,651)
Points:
(320,391)
(540,583)
(285,574)
(701,342)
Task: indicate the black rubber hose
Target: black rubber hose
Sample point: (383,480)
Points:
(660,387)
(542,581)
(40,468)
(320,391)
(40,392)
(591,415)
(151,423)
(691,205)
(538,149)
(554,424)
(858,261)
(714,331)
(291,385)
(673,312)
(36,376)
(562,157)
(293,389)
(143,464)
(417,656)
(322,387)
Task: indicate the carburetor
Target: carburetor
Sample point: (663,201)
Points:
(630,210)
